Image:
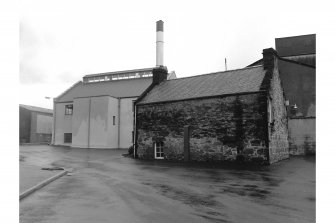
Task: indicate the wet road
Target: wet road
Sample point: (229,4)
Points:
(107,187)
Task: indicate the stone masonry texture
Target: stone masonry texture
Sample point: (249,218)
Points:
(278,129)
(223,128)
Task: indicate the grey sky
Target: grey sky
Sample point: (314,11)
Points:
(61,41)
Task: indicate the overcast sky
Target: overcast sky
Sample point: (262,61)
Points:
(61,41)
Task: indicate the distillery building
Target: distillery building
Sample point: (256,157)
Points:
(97,112)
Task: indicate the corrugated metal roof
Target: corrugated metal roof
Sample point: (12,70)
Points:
(37,109)
(119,72)
(220,83)
(118,89)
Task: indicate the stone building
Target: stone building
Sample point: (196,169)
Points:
(296,64)
(35,124)
(224,116)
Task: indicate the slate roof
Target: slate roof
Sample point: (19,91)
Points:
(228,82)
(303,60)
(37,109)
(117,89)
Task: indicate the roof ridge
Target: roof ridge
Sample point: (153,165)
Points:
(213,73)
(116,72)
(296,62)
(67,90)
(35,107)
(286,37)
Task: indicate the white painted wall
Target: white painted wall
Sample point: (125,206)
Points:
(63,123)
(113,129)
(127,118)
(99,122)
(80,123)
(97,131)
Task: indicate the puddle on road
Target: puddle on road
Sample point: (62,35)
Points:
(205,205)
(189,198)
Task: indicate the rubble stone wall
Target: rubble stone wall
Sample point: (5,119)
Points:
(222,128)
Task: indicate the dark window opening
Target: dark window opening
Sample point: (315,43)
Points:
(68,109)
(113,120)
(67,137)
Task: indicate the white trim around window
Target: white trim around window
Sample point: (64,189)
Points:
(159,150)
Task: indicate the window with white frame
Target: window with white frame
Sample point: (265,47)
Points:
(159,150)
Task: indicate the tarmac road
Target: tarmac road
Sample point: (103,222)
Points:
(107,187)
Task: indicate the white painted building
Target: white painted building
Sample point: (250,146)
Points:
(98,111)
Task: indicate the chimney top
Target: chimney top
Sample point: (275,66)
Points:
(269,56)
(159,74)
(159,26)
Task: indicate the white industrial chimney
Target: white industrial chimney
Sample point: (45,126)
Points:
(159,43)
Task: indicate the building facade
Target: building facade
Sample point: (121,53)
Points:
(35,124)
(297,68)
(299,82)
(98,111)
(225,116)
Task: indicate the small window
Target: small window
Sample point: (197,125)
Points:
(159,151)
(113,120)
(68,109)
(67,137)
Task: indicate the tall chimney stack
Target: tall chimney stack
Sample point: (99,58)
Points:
(159,43)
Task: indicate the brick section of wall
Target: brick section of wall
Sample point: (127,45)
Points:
(278,129)
(221,128)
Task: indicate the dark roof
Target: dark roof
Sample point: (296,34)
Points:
(117,89)
(37,109)
(214,84)
(296,45)
(301,60)
(304,59)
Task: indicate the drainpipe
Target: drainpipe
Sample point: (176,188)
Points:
(54,123)
(89,124)
(118,122)
(135,131)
